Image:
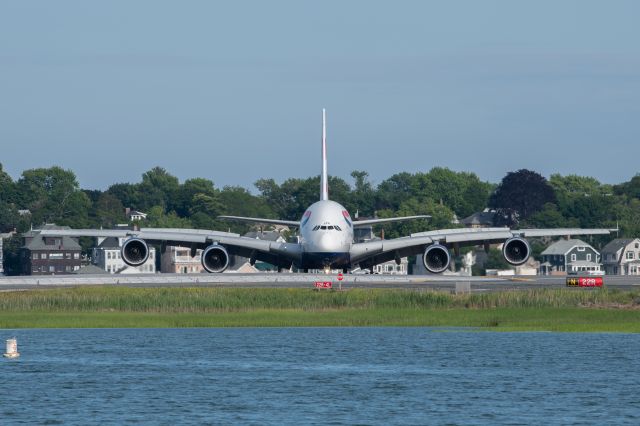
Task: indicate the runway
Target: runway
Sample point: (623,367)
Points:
(287,280)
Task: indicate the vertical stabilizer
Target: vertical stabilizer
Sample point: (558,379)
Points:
(324,178)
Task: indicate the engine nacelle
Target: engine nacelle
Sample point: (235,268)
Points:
(436,258)
(134,252)
(215,258)
(516,251)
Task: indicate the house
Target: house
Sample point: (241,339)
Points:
(483,219)
(570,256)
(622,257)
(267,236)
(107,257)
(178,260)
(49,255)
(134,215)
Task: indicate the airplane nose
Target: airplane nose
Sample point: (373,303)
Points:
(329,242)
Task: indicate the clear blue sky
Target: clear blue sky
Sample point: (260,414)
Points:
(232,91)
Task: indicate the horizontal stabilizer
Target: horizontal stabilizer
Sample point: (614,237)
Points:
(292,223)
(369,222)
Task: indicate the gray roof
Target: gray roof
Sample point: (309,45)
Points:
(37,242)
(68,243)
(563,246)
(614,246)
(110,242)
(90,270)
(479,218)
(269,236)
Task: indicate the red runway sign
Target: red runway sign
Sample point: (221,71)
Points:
(585,281)
(323,284)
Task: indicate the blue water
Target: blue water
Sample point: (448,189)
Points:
(319,376)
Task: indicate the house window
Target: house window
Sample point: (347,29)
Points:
(589,257)
(34,269)
(76,255)
(630,255)
(581,248)
(43,256)
(56,256)
(573,257)
(52,268)
(35,256)
(67,255)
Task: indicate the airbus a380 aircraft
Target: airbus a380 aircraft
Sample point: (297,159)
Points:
(326,242)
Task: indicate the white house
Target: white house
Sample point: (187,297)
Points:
(107,256)
(622,257)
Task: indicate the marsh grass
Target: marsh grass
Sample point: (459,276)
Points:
(541,309)
(125,299)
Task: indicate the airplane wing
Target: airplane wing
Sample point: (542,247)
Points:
(276,253)
(369,222)
(379,251)
(292,223)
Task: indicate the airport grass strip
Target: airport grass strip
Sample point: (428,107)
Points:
(599,310)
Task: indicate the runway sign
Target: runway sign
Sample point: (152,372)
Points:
(323,284)
(585,281)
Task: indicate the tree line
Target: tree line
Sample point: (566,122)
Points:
(523,198)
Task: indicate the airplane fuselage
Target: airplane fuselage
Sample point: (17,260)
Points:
(326,232)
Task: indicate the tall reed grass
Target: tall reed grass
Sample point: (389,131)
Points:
(203,300)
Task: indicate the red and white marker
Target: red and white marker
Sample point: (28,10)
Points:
(340,276)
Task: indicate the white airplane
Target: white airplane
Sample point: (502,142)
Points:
(326,231)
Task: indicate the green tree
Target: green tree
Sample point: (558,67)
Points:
(127,193)
(158,188)
(197,195)
(495,260)
(9,217)
(108,210)
(53,195)
(550,217)
(158,219)
(521,194)
(363,195)
(7,187)
(393,191)
(631,189)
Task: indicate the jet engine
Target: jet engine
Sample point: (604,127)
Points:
(134,252)
(516,251)
(215,258)
(436,258)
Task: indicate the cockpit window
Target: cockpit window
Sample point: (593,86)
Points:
(326,227)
